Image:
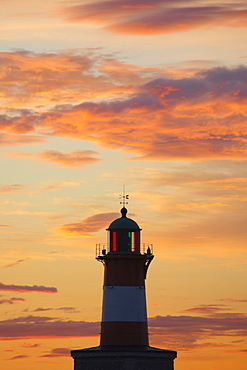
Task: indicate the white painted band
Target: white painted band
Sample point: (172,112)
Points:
(124,303)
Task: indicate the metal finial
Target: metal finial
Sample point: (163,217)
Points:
(124,198)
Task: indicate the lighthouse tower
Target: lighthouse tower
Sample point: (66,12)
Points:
(124,343)
(124,314)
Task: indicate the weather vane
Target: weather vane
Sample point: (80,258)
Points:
(124,198)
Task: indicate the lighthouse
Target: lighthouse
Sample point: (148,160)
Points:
(124,313)
(124,342)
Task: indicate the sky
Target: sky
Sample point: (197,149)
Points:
(95,95)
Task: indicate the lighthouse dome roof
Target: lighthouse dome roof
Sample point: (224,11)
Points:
(124,223)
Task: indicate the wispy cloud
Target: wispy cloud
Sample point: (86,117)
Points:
(64,309)
(11,300)
(18,357)
(157,16)
(13,264)
(36,327)
(15,140)
(89,225)
(207,309)
(189,331)
(62,185)
(58,352)
(10,189)
(27,288)
(74,159)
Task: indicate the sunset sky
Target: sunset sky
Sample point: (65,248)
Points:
(94,95)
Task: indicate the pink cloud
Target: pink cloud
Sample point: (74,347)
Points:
(158,16)
(89,225)
(36,327)
(188,332)
(27,288)
(182,332)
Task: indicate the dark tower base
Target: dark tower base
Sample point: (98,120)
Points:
(123,358)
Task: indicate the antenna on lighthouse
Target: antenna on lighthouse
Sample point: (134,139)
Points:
(124,198)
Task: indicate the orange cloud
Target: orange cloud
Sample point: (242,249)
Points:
(10,189)
(27,288)
(89,225)
(62,185)
(10,139)
(71,160)
(48,79)
(156,16)
(74,159)
(200,116)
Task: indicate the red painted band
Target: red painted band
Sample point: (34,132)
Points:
(125,270)
(124,333)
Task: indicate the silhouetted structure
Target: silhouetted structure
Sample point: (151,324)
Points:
(124,341)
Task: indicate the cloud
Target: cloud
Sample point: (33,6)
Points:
(10,189)
(157,16)
(14,140)
(27,288)
(46,79)
(151,113)
(75,159)
(207,309)
(58,352)
(64,309)
(185,332)
(89,225)
(27,345)
(6,226)
(188,332)
(37,327)
(18,357)
(233,300)
(12,300)
(14,264)
(62,185)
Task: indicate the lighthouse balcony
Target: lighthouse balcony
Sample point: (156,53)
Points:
(102,249)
